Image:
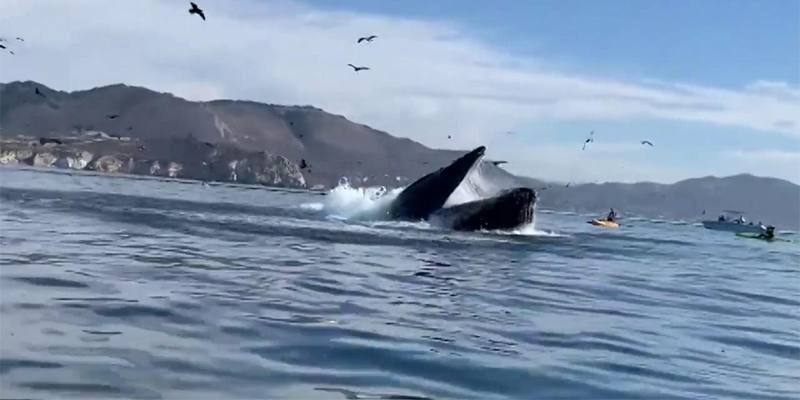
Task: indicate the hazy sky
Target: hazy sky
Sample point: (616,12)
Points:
(715,85)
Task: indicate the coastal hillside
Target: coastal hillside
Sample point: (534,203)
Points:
(332,146)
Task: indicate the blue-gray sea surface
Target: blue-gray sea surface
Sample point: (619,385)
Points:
(142,288)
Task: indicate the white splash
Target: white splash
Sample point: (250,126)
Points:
(368,203)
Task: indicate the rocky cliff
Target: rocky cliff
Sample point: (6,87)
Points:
(175,158)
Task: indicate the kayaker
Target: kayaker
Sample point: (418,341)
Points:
(611,216)
(768,234)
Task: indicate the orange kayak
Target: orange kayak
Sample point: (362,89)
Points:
(603,223)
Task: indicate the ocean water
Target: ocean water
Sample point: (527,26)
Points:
(120,287)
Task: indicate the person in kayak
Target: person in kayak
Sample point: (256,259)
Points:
(768,234)
(611,216)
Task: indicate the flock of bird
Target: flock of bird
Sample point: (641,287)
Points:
(196,10)
(5,44)
(590,139)
(356,68)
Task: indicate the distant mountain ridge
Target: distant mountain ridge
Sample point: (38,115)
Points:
(335,147)
(770,200)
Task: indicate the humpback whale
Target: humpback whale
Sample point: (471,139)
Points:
(429,193)
(425,199)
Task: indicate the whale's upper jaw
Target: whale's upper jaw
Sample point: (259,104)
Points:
(429,193)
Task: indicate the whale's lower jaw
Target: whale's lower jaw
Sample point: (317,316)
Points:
(508,210)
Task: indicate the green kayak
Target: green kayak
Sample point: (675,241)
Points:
(751,235)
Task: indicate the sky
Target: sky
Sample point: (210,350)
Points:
(714,85)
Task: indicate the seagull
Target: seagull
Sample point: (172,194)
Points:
(496,163)
(113,116)
(196,10)
(588,140)
(647,142)
(44,141)
(367,38)
(38,92)
(356,69)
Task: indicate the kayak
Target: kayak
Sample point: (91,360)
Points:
(604,224)
(750,235)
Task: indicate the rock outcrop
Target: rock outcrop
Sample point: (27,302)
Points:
(108,164)
(16,156)
(175,158)
(44,159)
(267,169)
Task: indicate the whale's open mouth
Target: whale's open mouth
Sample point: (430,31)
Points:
(429,193)
(426,198)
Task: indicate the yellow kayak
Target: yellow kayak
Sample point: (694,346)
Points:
(603,223)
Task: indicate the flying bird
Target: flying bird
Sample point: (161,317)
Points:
(496,163)
(567,185)
(2,46)
(449,137)
(367,38)
(209,144)
(12,52)
(38,92)
(113,116)
(141,148)
(647,142)
(588,140)
(196,10)
(44,141)
(20,39)
(356,69)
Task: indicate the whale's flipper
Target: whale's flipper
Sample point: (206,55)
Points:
(509,209)
(430,192)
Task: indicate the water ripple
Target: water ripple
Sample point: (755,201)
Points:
(138,288)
